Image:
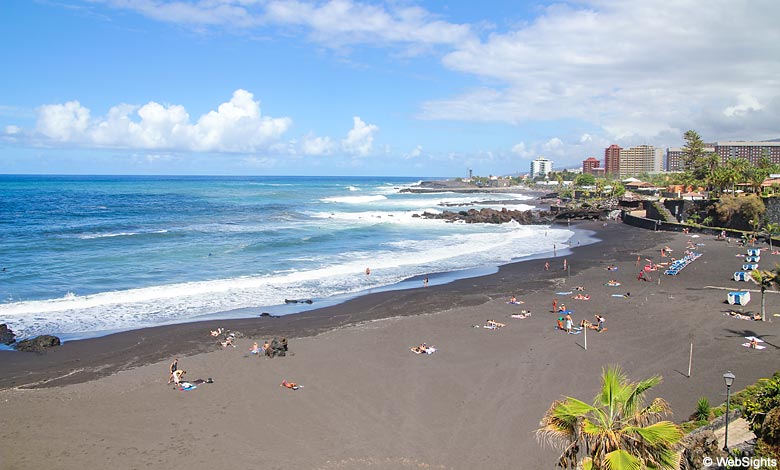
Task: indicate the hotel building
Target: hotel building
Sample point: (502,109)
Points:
(541,167)
(612,160)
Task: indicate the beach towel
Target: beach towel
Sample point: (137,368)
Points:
(747,345)
(184,386)
(575,332)
(751,338)
(520,315)
(618,295)
(610,284)
(565,293)
(430,350)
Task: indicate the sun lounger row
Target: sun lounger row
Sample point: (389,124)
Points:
(680,264)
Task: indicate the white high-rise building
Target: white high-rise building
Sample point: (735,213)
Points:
(541,167)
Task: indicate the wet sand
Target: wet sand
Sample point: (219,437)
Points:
(369,402)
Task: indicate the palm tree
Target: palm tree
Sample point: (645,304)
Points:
(617,432)
(765,280)
(771,229)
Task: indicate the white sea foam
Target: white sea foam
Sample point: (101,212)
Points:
(470,247)
(353,188)
(354,199)
(89,236)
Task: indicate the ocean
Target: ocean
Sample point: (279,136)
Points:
(83,256)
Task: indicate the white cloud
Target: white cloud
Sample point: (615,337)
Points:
(586,138)
(554,146)
(312,145)
(416,152)
(744,104)
(12,130)
(63,122)
(360,138)
(627,67)
(522,151)
(236,126)
(333,23)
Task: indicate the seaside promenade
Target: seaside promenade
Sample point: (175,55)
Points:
(367,401)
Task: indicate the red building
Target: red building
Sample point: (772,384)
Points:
(612,159)
(589,164)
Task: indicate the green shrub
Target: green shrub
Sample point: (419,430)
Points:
(703,410)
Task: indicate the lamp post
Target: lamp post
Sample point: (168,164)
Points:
(728,377)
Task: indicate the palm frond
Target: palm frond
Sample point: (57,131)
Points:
(621,460)
(663,433)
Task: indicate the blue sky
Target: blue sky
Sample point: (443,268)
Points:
(343,87)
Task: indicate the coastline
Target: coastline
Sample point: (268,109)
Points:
(368,401)
(84,359)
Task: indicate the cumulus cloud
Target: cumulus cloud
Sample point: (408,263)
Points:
(312,145)
(627,67)
(554,146)
(745,103)
(236,126)
(360,138)
(522,150)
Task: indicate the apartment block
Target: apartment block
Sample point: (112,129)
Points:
(541,167)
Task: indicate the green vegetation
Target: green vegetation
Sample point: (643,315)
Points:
(703,410)
(760,406)
(750,207)
(617,432)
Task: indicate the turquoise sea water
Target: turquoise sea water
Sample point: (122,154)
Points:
(83,255)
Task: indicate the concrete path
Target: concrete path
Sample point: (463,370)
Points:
(739,432)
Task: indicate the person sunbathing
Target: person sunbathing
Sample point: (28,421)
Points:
(600,323)
(579,288)
(290,385)
(776,252)
(423,348)
(494,324)
(255,348)
(754,342)
(581,297)
(216,332)
(228,342)
(612,267)
(266,348)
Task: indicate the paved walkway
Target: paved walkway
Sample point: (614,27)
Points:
(739,432)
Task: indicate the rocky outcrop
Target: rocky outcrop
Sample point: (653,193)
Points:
(696,446)
(38,344)
(7,336)
(492,216)
(278,348)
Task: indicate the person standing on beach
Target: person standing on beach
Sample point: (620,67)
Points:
(565,264)
(554,255)
(555,305)
(174,368)
(425,281)
(546,265)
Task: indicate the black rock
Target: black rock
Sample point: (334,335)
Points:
(37,344)
(278,347)
(7,336)
(266,314)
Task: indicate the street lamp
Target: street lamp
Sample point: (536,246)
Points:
(728,377)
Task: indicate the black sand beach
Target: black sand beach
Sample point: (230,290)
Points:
(367,401)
